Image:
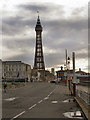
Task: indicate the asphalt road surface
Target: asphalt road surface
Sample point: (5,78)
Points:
(37,100)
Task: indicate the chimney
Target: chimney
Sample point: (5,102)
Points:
(79,69)
(61,68)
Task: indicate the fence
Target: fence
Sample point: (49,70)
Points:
(84,96)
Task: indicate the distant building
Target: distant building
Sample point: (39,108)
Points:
(81,75)
(42,75)
(80,72)
(49,76)
(13,70)
(62,74)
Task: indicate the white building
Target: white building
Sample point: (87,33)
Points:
(12,70)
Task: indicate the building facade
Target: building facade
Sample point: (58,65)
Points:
(13,70)
(81,75)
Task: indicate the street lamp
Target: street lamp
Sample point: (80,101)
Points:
(69,72)
(68,62)
(68,67)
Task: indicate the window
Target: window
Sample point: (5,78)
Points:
(38,38)
(37,59)
(40,65)
(37,64)
(38,41)
(38,50)
(38,35)
(38,54)
(39,46)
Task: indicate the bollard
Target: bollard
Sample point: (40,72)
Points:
(69,85)
(74,89)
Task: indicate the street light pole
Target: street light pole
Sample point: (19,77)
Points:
(68,63)
(74,79)
(67,72)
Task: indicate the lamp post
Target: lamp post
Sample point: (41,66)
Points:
(74,78)
(68,67)
(68,72)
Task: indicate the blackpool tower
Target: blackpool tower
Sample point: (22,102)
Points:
(39,59)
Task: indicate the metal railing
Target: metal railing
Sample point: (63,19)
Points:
(84,96)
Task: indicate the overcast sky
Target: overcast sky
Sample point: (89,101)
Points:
(65,26)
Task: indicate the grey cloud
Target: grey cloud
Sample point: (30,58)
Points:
(24,57)
(15,25)
(78,11)
(48,8)
(58,34)
(82,56)
(33,7)
(54,59)
(65,25)
(25,44)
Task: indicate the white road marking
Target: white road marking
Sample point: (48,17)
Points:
(49,95)
(45,98)
(18,115)
(54,102)
(40,101)
(76,114)
(11,99)
(51,92)
(68,100)
(32,106)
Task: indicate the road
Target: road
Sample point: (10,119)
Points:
(37,100)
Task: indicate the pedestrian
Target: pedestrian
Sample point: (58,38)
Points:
(5,86)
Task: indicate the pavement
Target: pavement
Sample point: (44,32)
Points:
(38,100)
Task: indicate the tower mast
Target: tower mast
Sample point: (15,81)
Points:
(39,59)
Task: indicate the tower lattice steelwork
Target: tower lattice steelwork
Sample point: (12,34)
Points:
(39,59)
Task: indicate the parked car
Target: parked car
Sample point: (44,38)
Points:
(54,81)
